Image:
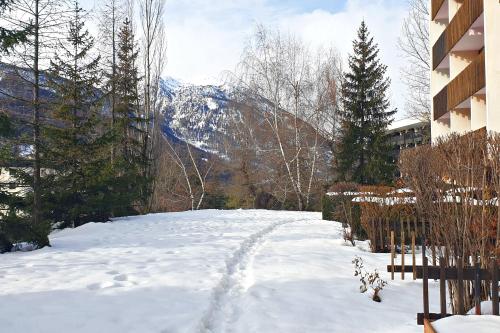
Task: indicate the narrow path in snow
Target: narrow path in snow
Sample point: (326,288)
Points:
(236,279)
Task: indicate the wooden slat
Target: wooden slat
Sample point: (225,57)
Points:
(439,50)
(425,284)
(431,317)
(477,288)
(441,103)
(393,254)
(460,286)
(442,285)
(436,6)
(413,257)
(468,82)
(464,85)
(402,253)
(428,327)
(494,287)
(451,273)
(468,13)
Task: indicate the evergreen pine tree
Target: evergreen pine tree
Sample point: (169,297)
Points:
(10,37)
(128,123)
(363,153)
(127,87)
(5,196)
(77,145)
(15,220)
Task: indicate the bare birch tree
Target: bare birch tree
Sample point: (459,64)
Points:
(290,87)
(151,13)
(188,182)
(414,46)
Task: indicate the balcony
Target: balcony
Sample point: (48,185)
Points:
(436,6)
(467,15)
(471,80)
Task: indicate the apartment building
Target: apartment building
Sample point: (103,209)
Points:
(407,133)
(465,78)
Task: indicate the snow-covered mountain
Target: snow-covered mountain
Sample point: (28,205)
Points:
(195,114)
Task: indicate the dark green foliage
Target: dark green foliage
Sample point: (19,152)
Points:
(216,200)
(8,37)
(327,208)
(128,126)
(84,184)
(363,152)
(91,171)
(74,149)
(15,222)
(339,206)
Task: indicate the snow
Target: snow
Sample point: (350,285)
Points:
(467,324)
(333,194)
(404,123)
(211,104)
(203,272)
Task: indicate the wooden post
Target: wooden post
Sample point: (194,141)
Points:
(393,254)
(494,287)
(425,276)
(428,327)
(477,288)
(380,228)
(434,257)
(413,255)
(402,253)
(460,278)
(442,285)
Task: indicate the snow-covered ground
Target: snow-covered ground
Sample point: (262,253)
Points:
(207,271)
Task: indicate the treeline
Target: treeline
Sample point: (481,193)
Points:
(86,143)
(298,122)
(85,151)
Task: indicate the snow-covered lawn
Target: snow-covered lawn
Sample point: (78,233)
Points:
(206,271)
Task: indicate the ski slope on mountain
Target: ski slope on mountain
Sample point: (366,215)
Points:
(206,271)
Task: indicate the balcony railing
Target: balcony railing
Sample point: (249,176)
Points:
(441,103)
(466,84)
(468,13)
(436,6)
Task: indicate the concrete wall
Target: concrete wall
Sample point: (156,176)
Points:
(492,56)
(439,78)
(478,112)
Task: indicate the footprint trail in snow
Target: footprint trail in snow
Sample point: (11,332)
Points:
(234,282)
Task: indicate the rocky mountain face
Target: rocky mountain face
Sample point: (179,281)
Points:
(206,117)
(198,115)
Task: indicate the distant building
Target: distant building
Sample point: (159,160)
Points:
(408,133)
(465,75)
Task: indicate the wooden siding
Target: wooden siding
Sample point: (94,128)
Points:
(466,84)
(441,103)
(436,6)
(468,13)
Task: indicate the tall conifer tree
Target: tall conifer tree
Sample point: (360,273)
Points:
(128,123)
(76,145)
(363,153)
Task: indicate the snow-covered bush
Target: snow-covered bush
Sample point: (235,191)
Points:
(368,280)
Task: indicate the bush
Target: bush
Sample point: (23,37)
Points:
(14,229)
(338,206)
(370,280)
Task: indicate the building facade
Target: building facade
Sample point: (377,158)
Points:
(465,78)
(407,133)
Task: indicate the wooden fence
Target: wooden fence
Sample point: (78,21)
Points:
(383,233)
(459,273)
